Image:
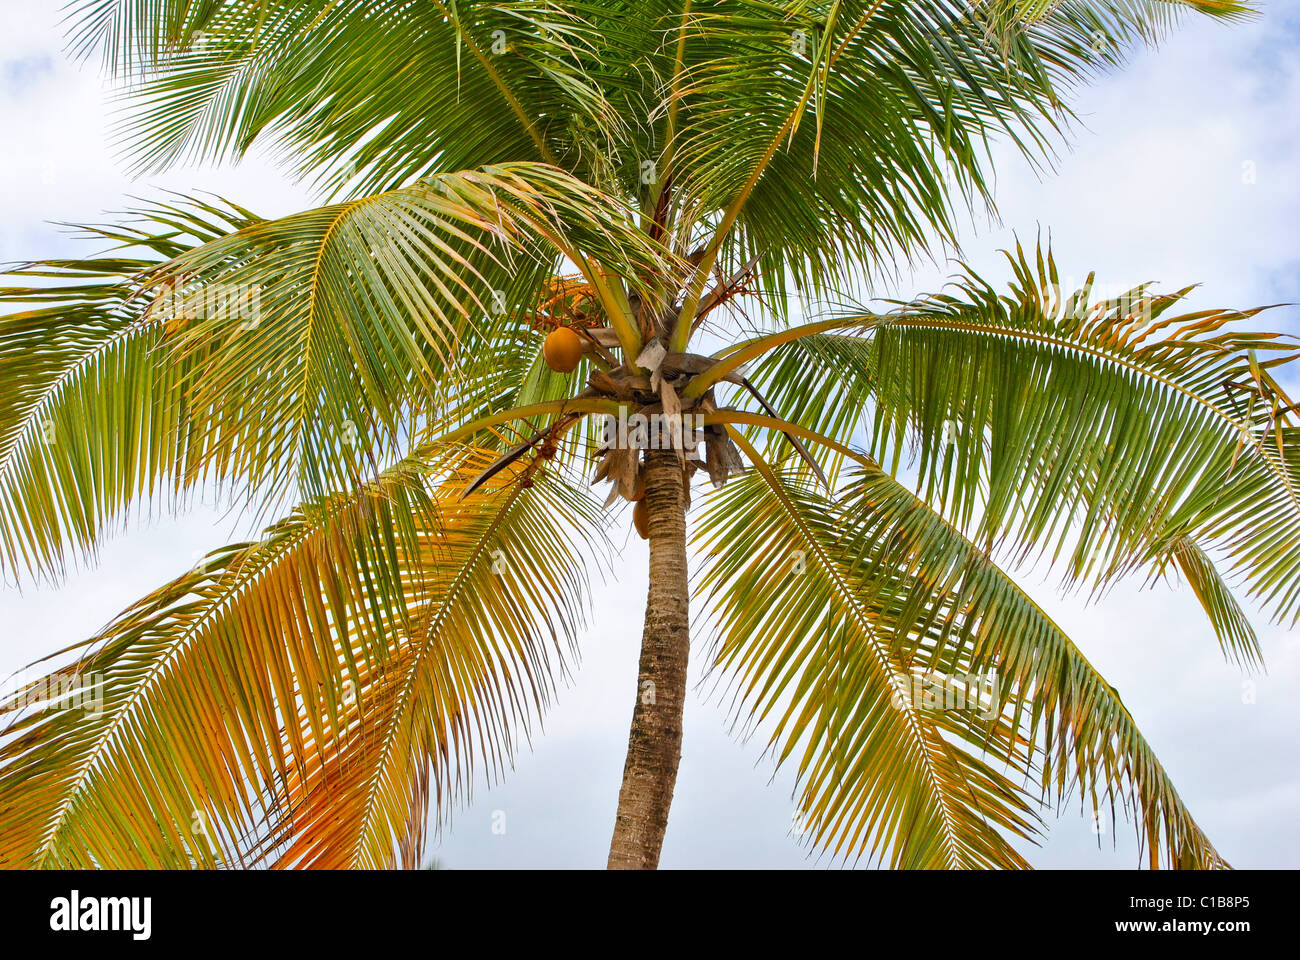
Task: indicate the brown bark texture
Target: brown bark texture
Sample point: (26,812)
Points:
(655,741)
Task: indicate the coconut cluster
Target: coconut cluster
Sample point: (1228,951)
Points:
(652,386)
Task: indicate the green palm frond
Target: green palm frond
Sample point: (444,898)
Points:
(830,132)
(385,645)
(877,775)
(366,306)
(850,134)
(1107,433)
(455,84)
(1231,624)
(838,361)
(289,356)
(954,611)
(939,612)
(92,412)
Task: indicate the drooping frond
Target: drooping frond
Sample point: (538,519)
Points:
(1107,431)
(297,700)
(442,85)
(971,654)
(92,412)
(1231,624)
(953,611)
(1112,434)
(293,355)
(877,775)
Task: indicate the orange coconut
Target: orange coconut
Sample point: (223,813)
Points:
(562,350)
(641,519)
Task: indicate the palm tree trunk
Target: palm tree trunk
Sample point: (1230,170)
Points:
(655,742)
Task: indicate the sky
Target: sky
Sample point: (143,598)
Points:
(1182,170)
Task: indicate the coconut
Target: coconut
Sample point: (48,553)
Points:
(641,519)
(562,350)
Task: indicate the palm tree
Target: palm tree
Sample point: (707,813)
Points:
(544,218)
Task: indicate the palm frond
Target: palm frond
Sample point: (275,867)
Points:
(1107,431)
(92,412)
(1231,624)
(292,356)
(943,615)
(383,646)
(364,307)
(846,134)
(830,133)
(877,775)
(442,86)
(1102,432)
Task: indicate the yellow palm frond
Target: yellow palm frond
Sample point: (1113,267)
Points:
(389,640)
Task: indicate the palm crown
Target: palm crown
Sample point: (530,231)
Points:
(627,175)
